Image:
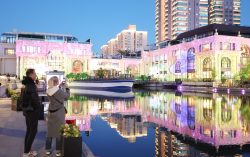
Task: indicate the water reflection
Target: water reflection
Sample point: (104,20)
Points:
(184,124)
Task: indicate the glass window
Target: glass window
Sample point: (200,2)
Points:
(9,51)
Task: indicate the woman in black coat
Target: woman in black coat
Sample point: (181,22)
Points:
(31,110)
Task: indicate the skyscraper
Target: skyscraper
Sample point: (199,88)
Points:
(173,17)
(224,12)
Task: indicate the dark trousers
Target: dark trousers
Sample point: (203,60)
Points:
(31,124)
(49,144)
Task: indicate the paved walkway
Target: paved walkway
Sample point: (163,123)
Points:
(12,132)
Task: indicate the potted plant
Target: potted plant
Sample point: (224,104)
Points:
(14,98)
(71,140)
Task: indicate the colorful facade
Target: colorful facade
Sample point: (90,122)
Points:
(210,58)
(48,56)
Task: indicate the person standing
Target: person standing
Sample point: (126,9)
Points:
(31,110)
(56,114)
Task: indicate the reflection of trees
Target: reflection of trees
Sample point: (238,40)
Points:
(245,114)
(226,113)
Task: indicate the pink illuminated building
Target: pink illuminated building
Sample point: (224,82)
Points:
(207,53)
(44,52)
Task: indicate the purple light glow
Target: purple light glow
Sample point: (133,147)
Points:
(215,90)
(179,88)
(243,92)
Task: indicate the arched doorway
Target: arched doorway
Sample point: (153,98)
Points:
(207,68)
(225,68)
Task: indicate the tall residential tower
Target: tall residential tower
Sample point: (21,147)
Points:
(174,17)
(224,12)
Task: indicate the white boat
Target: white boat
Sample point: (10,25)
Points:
(118,86)
(102,94)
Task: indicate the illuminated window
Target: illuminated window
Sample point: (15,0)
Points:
(207,68)
(9,51)
(191,60)
(178,67)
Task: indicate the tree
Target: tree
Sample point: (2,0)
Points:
(245,73)
(100,73)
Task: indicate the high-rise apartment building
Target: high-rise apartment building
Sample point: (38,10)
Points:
(129,39)
(173,17)
(224,12)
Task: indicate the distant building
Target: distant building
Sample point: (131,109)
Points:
(129,39)
(224,12)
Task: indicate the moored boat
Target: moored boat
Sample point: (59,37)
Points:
(114,85)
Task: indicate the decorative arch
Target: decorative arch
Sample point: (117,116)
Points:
(77,67)
(132,69)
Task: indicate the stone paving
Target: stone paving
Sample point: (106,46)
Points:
(12,132)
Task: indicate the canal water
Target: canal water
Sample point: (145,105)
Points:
(163,124)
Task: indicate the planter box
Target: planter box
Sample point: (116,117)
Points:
(72,146)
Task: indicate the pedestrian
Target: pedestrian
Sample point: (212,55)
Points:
(31,110)
(56,114)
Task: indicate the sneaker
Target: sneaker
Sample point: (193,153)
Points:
(33,153)
(48,152)
(58,154)
(27,155)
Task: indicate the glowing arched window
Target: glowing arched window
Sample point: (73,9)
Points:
(191,60)
(207,64)
(178,67)
(225,63)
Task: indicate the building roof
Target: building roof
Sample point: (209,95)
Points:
(230,30)
(36,33)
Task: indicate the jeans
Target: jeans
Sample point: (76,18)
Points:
(49,144)
(31,124)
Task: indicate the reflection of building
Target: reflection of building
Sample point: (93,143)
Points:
(167,144)
(128,126)
(212,119)
(129,39)
(44,52)
(212,52)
